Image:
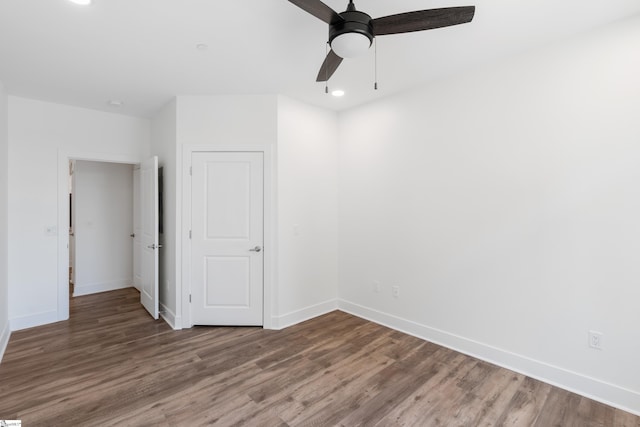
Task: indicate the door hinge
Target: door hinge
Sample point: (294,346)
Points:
(189,233)
(189,297)
(191,170)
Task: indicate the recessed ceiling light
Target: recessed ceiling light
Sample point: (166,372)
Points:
(114,103)
(337,93)
(81,2)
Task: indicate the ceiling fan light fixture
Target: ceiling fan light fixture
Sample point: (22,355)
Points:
(350,45)
(351,32)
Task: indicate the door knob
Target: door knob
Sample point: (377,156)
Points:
(256,249)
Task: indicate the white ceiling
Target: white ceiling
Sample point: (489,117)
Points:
(143,52)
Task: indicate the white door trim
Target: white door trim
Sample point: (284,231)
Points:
(63,216)
(184,246)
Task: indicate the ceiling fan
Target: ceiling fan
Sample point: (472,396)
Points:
(351,32)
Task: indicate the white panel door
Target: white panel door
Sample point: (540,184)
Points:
(137,232)
(149,235)
(227,238)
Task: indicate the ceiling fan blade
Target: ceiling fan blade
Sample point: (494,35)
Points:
(422,20)
(319,10)
(329,66)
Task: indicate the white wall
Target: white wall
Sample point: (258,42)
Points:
(39,133)
(227,120)
(164,145)
(307,211)
(4,227)
(103,224)
(504,203)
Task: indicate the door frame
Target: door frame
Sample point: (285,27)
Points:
(64,158)
(269,243)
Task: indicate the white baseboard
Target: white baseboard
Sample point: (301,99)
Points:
(39,319)
(609,394)
(94,288)
(5,334)
(298,316)
(170,317)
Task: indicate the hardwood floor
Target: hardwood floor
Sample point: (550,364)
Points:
(111,364)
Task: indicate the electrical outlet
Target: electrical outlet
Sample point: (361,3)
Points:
(595,340)
(376,286)
(395,291)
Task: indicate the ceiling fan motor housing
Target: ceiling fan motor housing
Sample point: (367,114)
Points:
(354,21)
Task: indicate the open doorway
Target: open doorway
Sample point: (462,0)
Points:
(102,224)
(149,236)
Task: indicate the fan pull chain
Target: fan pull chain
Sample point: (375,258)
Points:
(326,71)
(375,64)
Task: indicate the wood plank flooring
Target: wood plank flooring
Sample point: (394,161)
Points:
(111,364)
